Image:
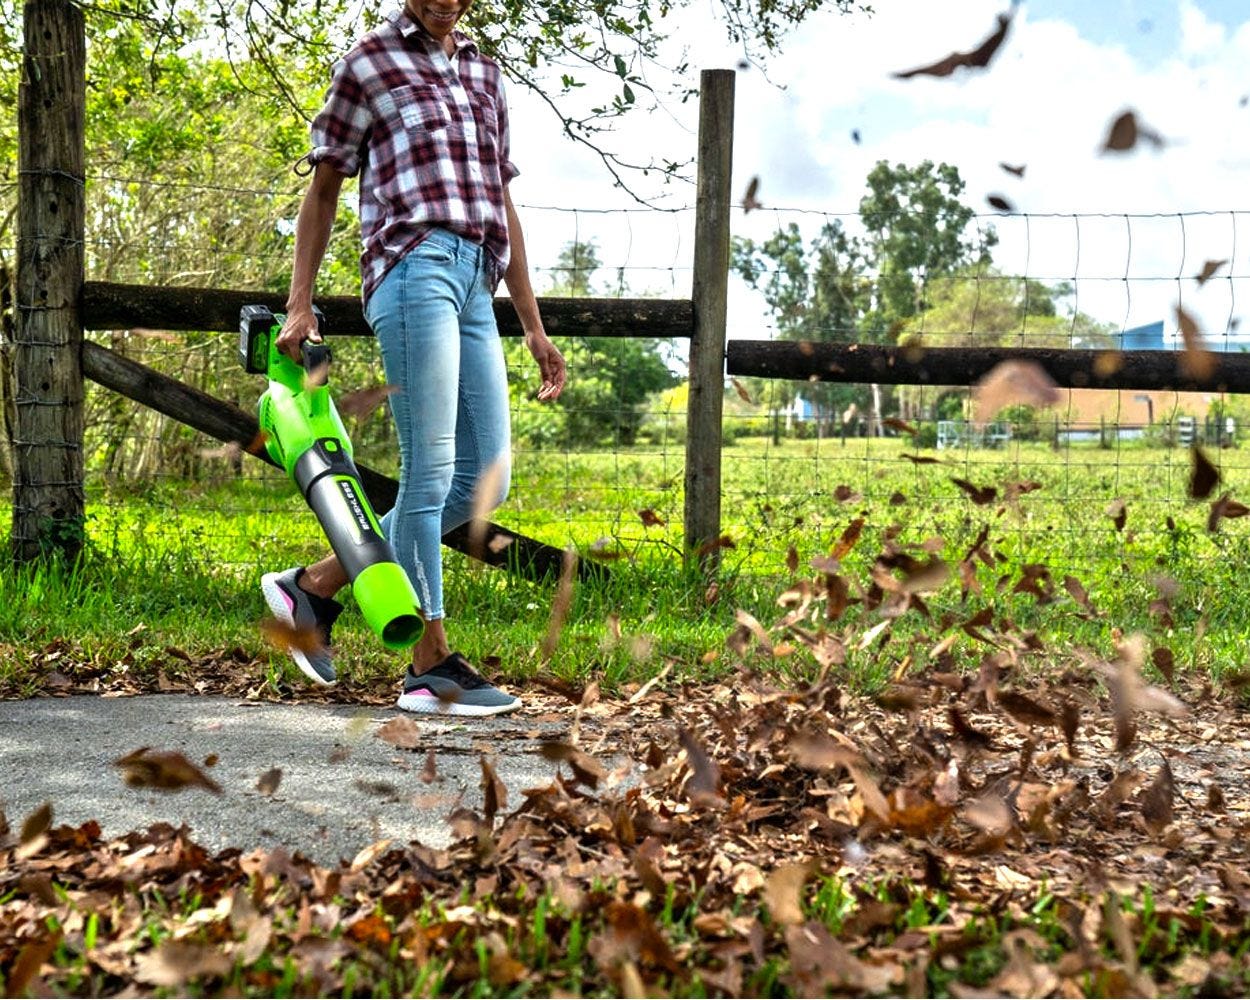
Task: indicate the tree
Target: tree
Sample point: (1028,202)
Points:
(916,231)
(982,307)
(817,295)
(189,182)
(553,49)
(610,377)
(847,287)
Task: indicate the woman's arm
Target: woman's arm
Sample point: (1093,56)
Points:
(517,279)
(312,237)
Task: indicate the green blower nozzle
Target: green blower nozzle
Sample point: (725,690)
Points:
(304,434)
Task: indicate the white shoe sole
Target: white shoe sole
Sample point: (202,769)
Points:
(425,704)
(277,604)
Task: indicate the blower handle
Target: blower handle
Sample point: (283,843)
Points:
(314,356)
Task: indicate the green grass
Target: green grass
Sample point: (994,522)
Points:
(176,564)
(540,945)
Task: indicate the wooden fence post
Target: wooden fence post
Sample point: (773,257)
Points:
(48,504)
(709,291)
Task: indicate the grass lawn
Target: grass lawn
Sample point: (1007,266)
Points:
(175,565)
(879,759)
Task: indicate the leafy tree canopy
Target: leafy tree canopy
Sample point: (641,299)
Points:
(982,307)
(612,378)
(555,49)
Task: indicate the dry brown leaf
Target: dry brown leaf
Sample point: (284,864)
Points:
(362,402)
(486,492)
(1117,510)
(167,770)
(1010,383)
(1197,361)
(29,961)
(990,814)
(783,892)
(1165,662)
(980,495)
(750,199)
(967,733)
(586,769)
(560,605)
(1074,587)
(175,962)
(400,731)
(900,425)
(704,784)
(977,58)
(848,539)
(494,792)
(1224,507)
(1126,131)
(1209,271)
(268,782)
(1157,801)
(1024,709)
(1070,724)
(1203,477)
(36,824)
(284,638)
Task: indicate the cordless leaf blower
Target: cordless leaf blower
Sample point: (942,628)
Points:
(305,435)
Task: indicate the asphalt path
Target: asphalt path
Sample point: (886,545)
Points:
(342,787)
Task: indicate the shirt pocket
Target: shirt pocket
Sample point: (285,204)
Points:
(421,108)
(485,114)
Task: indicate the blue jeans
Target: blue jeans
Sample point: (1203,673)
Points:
(435,324)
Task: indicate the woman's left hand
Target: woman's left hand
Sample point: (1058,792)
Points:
(550,365)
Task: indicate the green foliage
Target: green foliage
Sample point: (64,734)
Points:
(979,306)
(917,230)
(860,288)
(610,378)
(554,49)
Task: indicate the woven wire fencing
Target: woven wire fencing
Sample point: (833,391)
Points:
(1095,474)
(604,470)
(583,468)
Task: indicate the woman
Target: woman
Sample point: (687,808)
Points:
(420,113)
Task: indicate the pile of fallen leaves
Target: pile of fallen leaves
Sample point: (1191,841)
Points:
(693,839)
(1001,819)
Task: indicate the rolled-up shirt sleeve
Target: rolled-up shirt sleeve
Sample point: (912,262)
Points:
(339,131)
(507,169)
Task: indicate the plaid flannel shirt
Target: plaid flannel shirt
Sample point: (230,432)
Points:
(429,137)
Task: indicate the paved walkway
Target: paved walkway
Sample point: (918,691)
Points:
(342,787)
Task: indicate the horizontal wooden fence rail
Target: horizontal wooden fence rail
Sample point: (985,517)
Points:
(108,306)
(226,422)
(1073,369)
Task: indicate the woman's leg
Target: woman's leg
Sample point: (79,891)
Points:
(414,314)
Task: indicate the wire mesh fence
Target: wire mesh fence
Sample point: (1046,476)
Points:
(603,471)
(1049,478)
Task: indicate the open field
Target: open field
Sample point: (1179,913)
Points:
(176,564)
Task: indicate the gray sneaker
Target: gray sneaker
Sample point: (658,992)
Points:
(453,687)
(297,609)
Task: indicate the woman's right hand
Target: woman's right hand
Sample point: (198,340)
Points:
(300,325)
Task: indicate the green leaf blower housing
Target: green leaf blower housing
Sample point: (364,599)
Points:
(305,435)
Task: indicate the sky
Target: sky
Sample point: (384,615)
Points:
(1117,225)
